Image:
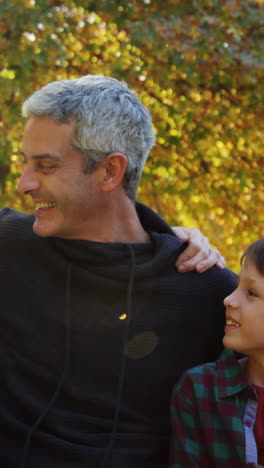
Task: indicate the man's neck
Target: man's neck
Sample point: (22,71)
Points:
(114,222)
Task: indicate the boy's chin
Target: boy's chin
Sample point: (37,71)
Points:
(228,342)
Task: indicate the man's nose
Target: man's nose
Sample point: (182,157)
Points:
(28,182)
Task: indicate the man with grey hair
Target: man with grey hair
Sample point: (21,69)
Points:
(101,324)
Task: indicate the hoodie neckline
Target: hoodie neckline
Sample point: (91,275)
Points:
(110,259)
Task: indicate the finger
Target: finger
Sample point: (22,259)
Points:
(198,249)
(215,258)
(192,262)
(221,263)
(181,233)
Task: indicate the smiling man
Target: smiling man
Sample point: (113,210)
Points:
(63,192)
(101,323)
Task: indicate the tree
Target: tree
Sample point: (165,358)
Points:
(198,66)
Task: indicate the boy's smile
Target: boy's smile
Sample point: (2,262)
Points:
(230,322)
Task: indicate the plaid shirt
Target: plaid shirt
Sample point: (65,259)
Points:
(213,415)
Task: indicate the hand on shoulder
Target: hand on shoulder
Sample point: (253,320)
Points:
(198,255)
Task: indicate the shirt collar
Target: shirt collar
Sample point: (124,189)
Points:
(230,376)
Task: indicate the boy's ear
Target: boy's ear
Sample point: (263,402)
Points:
(114,168)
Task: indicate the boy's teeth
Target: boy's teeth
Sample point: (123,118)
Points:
(44,205)
(230,322)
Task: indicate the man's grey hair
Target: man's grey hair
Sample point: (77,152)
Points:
(109,118)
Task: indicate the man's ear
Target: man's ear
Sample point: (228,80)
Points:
(114,168)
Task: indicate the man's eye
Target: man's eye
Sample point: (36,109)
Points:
(46,167)
(251,292)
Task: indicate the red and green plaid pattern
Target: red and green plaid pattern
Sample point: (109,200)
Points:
(208,405)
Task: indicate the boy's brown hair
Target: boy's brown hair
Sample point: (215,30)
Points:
(255,254)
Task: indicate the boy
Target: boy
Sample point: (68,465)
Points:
(218,408)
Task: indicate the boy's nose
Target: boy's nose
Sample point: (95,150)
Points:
(231,301)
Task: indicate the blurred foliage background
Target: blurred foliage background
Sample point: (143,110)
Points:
(198,65)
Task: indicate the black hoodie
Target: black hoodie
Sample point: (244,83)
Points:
(93,337)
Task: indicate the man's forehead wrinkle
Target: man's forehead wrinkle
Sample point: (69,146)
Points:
(41,156)
(45,156)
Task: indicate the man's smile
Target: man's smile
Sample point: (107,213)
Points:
(44,205)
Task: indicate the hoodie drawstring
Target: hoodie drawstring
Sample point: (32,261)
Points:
(120,386)
(41,417)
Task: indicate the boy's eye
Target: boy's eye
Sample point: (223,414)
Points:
(251,292)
